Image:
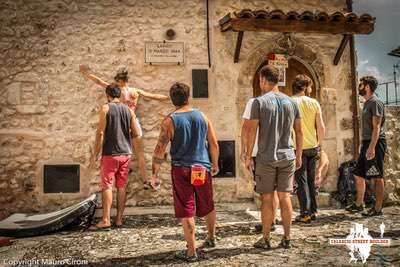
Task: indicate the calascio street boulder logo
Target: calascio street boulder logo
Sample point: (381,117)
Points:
(359,242)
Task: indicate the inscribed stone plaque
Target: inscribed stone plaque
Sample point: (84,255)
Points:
(164,52)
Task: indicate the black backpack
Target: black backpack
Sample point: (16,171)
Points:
(346,187)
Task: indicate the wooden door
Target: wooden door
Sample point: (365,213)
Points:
(295,68)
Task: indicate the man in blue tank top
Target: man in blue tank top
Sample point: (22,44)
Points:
(194,155)
(117,126)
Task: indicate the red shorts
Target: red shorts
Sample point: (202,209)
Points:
(188,199)
(114,167)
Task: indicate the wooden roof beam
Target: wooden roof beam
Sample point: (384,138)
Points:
(341,48)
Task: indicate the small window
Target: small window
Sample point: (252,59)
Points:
(200,83)
(61,179)
(226,161)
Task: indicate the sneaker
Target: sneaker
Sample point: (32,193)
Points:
(303,218)
(354,208)
(209,243)
(372,212)
(285,243)
(259,227)
(182,255)
(313,216)
(263,244)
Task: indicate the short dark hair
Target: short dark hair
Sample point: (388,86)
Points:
(371,81)
(179,94)
(113,90)
(300,83)
(270,73)
(122,74)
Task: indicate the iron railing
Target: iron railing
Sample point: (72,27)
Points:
(388,93)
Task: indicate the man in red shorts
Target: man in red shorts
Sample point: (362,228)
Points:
(194,155)
(117,126)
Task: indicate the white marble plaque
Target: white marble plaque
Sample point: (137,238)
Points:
(164,52)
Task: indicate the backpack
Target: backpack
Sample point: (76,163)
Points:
(346,186)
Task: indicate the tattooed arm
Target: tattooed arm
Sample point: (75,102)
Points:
(166,135)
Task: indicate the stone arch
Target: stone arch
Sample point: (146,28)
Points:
(296,48)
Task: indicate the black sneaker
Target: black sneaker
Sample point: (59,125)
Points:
(182,255)
(303,219)
(372,212)
(285,243)
(259,227)
(263,244)
(209,243)
(313,216)
(354,208)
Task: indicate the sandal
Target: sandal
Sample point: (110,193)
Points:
(147,185)
(182,255)
(96,228)
(156,186)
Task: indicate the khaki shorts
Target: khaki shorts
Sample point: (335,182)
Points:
(275,176)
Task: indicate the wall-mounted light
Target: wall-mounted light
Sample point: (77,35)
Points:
(170,34)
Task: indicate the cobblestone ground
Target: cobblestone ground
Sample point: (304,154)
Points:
(152,240)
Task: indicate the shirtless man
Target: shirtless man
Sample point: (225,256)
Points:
(130,97)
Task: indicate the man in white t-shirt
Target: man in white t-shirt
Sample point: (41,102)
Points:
(246,116)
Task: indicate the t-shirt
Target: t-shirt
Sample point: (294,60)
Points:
(309,108)
(372,107)
(276,113)
(246,115)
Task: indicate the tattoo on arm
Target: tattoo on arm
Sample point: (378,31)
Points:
(164,138)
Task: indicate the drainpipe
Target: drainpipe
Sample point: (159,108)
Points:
(208,33)
(354,91)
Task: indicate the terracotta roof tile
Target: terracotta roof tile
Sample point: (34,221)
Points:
(344,22)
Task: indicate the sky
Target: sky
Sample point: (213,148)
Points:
(372,49)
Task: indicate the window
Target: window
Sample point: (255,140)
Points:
(200,83)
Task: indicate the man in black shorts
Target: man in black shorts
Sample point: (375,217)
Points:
(373,148)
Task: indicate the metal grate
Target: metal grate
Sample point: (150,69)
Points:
(61,178)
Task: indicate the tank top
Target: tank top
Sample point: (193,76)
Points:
(189,145)
(117,136)
(128,99)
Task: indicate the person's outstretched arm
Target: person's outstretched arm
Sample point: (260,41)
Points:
(86,73)
(151,95)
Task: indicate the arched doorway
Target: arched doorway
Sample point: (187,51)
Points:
(295,67)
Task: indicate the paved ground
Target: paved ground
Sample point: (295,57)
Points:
(152,239)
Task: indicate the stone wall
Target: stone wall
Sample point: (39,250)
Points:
(392,160)
(49,111)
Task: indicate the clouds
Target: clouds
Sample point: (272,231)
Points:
(366,68)
(372,49)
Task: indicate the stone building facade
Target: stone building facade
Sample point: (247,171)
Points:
(48,111)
